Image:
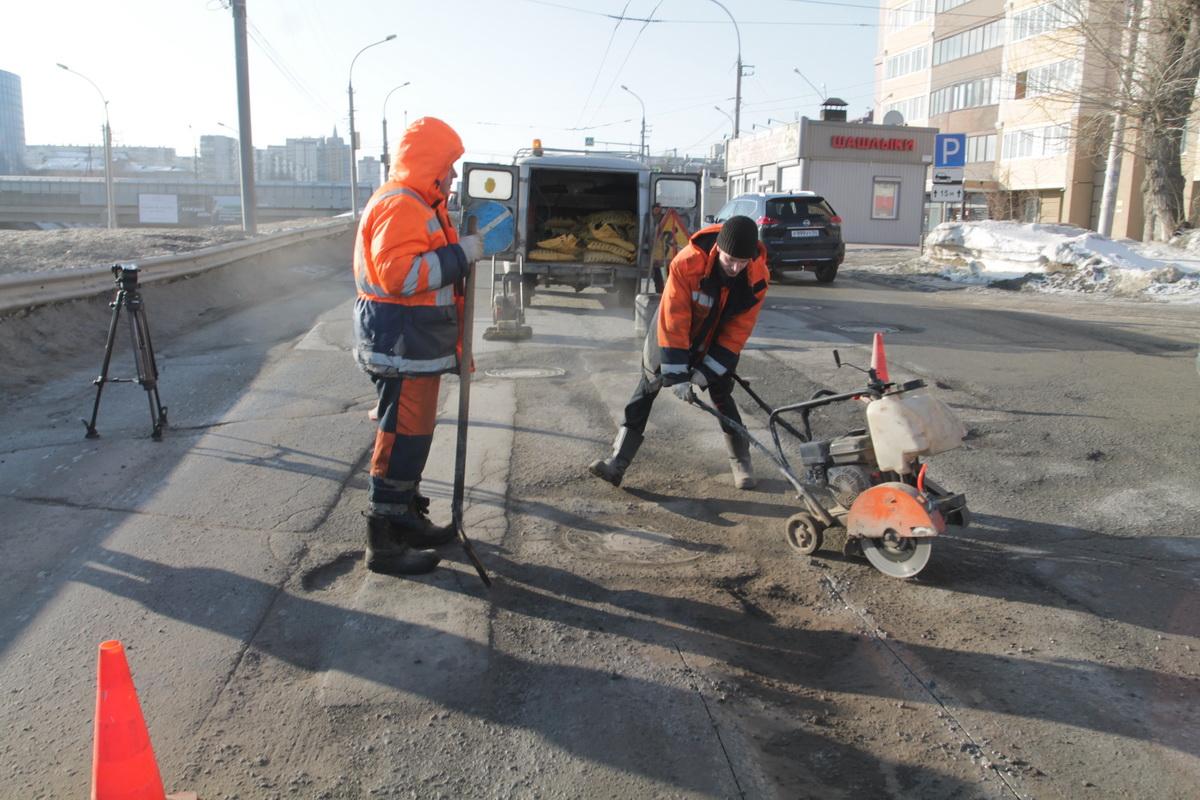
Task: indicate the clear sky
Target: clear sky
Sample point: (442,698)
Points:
(501,72)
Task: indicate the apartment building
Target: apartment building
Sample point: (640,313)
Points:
(1009,74)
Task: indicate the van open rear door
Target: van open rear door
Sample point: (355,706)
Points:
(485,189)
(678,197)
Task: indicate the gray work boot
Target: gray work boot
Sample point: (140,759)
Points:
(739,461)
(388,556)
(612,469)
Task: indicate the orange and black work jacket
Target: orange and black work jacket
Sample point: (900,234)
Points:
(407,262)
(705,317)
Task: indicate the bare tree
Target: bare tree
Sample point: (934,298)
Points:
(1143,96)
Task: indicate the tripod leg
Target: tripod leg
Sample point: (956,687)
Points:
(144,362)
(108,348)
(152,362)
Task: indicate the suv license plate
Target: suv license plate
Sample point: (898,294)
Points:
(803,232)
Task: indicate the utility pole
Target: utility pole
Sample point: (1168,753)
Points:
(642,145)
(246,144)
(737,95)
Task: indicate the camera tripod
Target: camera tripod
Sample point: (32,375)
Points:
(129,298)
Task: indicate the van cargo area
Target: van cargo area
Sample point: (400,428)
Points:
(587,217)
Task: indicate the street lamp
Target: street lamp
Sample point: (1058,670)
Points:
(110,199)
(353,143)
(642,146)
(737,97)
(731,122)
(385,159)
(824,94)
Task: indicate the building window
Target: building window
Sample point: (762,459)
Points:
(908,14)
(885,198)
(981,148)
(907,62)
(1051,140)
(912,108)
(969,42)
(1047,17)
(971,94)
(946,5)
(1059,76)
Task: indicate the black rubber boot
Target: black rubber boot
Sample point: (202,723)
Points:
(739,461)
(387,556)
(612,469)
(416,529)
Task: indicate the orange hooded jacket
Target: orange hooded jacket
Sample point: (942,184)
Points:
(407,261)
(703,319)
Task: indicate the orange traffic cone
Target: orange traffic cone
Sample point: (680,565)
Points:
(123,766)
(879,359)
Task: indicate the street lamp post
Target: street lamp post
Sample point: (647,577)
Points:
(385,159)
(353,143)
(731,122)
(642,146)
(110,199)
(822,91)
(737,97)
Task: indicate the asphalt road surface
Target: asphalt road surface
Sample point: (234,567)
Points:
(659,640)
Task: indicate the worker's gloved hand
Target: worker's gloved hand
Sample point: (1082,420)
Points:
(683,390)
(472,246)
(699,379)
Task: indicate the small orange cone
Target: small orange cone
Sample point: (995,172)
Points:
(123,766)
(879,359)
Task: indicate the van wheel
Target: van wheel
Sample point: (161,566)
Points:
(826,273)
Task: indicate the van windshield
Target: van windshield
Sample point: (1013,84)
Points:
(788,209)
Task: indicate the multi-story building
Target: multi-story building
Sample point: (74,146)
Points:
(1010,75)
(12,125)
(219,158)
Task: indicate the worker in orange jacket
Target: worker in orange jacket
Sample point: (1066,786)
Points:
(714,292)
(409,269)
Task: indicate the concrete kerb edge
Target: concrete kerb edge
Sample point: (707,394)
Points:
(25,291)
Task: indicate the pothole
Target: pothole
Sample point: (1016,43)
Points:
(322,576)
(519,373)
(866,327)
(634,546)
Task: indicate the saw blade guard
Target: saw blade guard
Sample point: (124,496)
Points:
(895,507)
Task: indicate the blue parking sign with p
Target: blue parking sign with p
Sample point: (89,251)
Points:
(950,150)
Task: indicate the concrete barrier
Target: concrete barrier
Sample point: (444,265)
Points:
(26,290)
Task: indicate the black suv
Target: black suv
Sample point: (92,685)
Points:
(799,229)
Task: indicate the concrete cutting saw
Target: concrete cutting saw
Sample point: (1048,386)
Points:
(871,482)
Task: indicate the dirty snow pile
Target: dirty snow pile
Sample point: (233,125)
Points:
(1064,258)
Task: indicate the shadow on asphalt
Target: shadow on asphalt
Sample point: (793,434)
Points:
(611,739)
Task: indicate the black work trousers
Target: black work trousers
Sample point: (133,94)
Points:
(637,411)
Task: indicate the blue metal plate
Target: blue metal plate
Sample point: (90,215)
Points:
(496,226)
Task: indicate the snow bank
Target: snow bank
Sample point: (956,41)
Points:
(1064,258)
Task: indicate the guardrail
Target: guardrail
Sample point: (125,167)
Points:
(24,290)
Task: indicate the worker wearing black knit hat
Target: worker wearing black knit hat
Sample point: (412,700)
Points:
(714,291)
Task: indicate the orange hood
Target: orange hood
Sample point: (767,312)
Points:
(426,151)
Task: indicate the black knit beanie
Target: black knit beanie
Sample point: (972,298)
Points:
(739,237)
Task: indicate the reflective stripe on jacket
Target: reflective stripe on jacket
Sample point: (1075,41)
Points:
(407,261)
(689,335)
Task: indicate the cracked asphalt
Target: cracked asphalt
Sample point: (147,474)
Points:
(657,640)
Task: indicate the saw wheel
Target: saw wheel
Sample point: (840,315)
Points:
(804,533)
(895,556)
